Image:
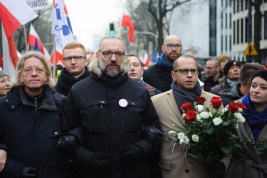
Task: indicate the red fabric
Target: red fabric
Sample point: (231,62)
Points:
(13,51)
(59,58)
(127,21)
(10,23)
(31,42)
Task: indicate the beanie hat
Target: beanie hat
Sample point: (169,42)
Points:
(2,73)
(223,57)
(228,65)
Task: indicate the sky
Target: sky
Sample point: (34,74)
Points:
(90,19)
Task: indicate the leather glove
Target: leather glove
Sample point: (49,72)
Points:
(131,155)
(99,162)
(151,134)
(217,169)
(28,172)
(68,143)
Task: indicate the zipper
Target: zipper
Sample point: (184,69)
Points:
(36,148)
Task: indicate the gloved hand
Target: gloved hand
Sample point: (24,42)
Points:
(68,143)
(28,172)
(131,155)
(217,169)
(151,134)
(99,162)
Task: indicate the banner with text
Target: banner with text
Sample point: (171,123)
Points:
(38,4)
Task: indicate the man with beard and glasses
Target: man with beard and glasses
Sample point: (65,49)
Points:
(112,111)
(159,75)
(75,62)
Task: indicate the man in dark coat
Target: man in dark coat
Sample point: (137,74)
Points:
(75,67)
(159,75)
(111,115)
(210,79)
(241,89)
(30,122)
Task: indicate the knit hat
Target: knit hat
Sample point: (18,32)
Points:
(228,65)
(2,73)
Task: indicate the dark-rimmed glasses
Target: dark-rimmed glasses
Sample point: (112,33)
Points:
(172,45)
(185,71)
(75,58)
(108,54)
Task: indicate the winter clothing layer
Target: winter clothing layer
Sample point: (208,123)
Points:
(111,115)
(173,162)
(66,81)
(209,82)
(231,94)
(250,161)
(151,90)
(223,85)
(30,128)
(159,75)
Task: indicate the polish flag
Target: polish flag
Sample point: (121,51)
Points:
(127,22)
(13,14)
(34,40)
(146,59)
(61,28)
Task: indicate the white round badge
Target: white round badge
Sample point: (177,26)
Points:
(123,102)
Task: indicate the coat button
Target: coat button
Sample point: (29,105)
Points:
(187,171)
(12,106)
(6,100)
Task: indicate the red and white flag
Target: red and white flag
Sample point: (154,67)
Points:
(34,40)
(146,59)
(61,28)
(13,14)
(127,22)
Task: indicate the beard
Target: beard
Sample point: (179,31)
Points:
(171,57)
(112,72)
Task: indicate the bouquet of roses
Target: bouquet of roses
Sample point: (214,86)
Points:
(210,134)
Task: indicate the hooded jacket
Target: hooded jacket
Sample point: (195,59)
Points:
(231,94)
(110,111)
(30,128)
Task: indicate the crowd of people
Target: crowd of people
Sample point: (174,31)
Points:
(104,116)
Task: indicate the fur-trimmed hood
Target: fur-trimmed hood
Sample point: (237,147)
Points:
(94,67)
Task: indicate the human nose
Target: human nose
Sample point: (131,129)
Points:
(113,57)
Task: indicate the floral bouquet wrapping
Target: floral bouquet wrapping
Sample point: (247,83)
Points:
(210,134)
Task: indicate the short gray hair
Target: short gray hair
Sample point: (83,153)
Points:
(112,37)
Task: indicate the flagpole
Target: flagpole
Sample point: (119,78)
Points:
(25,38)
(54,58)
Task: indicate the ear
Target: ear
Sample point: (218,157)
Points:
(142,70)
(173,76)
(86,62)
(162,47)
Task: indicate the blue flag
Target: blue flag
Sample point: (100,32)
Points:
(36,47)
(155,56)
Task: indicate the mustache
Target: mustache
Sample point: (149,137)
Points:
(113,64)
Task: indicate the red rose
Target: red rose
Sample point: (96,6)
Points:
(233,107)
(200,100)
(186,106)
(191,116)
(216,102)
(241,105)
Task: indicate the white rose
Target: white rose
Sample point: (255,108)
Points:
(195,138)
(240,110)
(184,140)
(225,109)
(239,117)
(204,115)
(171,132)
(183,115)
(198,117)
(217,121)
(199,108)
(181,135)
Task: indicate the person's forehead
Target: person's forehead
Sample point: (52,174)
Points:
(110,44)
(173,40)
(73,51)
(210,63)
(186,61)
(33,60)
(133,59)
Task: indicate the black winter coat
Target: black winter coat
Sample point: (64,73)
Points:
(30,129)
(158,77)
(93,103)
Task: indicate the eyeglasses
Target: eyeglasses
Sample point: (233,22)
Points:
(5,81)
(172,45)
(118,54)
(37,70)
(75,58)
(185,71)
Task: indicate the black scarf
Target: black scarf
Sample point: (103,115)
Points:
(66,80)
(182,96)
